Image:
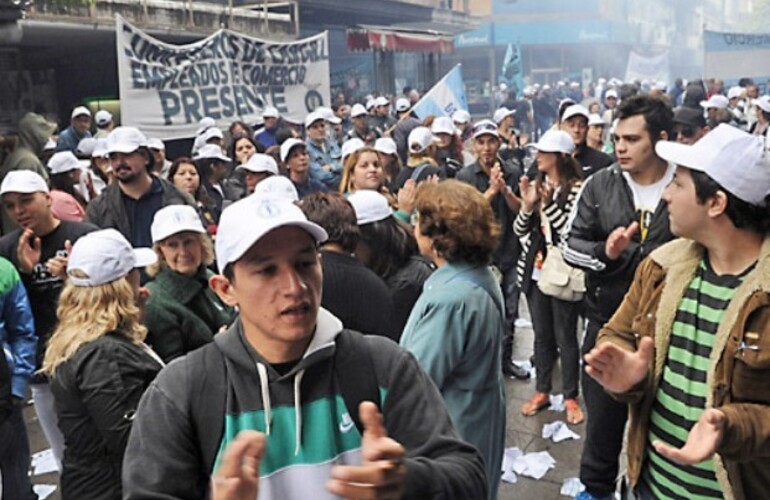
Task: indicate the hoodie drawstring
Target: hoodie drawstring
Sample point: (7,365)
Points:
(298,410)
(263,384)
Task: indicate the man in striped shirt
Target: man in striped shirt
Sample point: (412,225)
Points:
(689,347)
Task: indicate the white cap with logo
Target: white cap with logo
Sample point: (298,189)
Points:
(125,140)
(485,127)
(732,158)
(174,219)
(234,238)
(80,111)
(103,117)
(104,256)
(260,163)
(23,181)
(370,206)
(211,152)
(556,141)
(276,187)
(65,161)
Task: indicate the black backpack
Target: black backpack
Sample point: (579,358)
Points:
(353,370)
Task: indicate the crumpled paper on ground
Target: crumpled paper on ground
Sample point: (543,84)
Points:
(534,465)
(509,456)
(44,462)
(557,402)
(44,491)
(558,431)
(571,487)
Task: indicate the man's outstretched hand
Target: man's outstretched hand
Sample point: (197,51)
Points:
(617,369)
(702,441)
(238,476)
(382,474)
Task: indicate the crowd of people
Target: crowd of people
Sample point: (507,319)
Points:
(328,308)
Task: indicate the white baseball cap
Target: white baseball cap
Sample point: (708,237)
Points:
(734,91)
(80,111)
(612,93)
(485,127)
(370,206)
(764,103)
(443,125)
(351,146)
(369,104)
(381,101)
(260,163)
(103,117)
(328,115)
(125,140)
(65,161)
(276,187)
(100,148)
(86,146)
(288,145)
(595,119)
(575,110)
(556,141)
(49,145)
(23,181)
(386,145)
(502,113)
(717,101)
(104,256)
(313,117)
(461,116)
(234,238)
(174,219)
(211,133)
(270,112)
(204,124)
(156,143)
(402,104)
(211,151)
(734,159)
(358,110)
(420,139)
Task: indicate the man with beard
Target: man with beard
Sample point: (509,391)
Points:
(129,204)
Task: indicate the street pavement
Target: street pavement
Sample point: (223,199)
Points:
(522,432)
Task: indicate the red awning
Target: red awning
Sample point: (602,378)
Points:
(364,39)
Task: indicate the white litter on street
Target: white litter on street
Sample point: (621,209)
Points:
(571,487)
(558,431)
(534,465)
(557,402)
(44,491)
(509,457)
(44,462)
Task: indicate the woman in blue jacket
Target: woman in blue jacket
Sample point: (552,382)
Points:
(456,327)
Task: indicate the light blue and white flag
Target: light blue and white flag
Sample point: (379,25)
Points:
(446,97)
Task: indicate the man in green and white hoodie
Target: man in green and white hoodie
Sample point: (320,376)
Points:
(287,403)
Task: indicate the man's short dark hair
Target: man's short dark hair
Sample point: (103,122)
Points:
(742,214)
(333,212)
(658,115)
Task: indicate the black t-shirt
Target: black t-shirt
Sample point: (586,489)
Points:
(141,212)
(43,288)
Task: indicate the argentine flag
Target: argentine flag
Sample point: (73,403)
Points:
(446,97)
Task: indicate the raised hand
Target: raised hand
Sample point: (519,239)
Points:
(496,181)
(238,476)
(617,369)
(619,239)
(406,196)
(383,472)
(530,193)
(28,251)
(702,441)
(57,266)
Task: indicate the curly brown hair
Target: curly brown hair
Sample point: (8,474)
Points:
(459,221)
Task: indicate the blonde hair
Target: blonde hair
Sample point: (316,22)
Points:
(207,255)
(346,184)
(88,313)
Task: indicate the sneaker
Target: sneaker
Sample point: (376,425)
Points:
(511,369)
(584,495)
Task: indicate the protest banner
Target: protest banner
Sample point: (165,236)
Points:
(655,68)
(731,56)
(165,89)
(446,97)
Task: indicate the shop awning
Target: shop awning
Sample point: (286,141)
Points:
(366,38)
